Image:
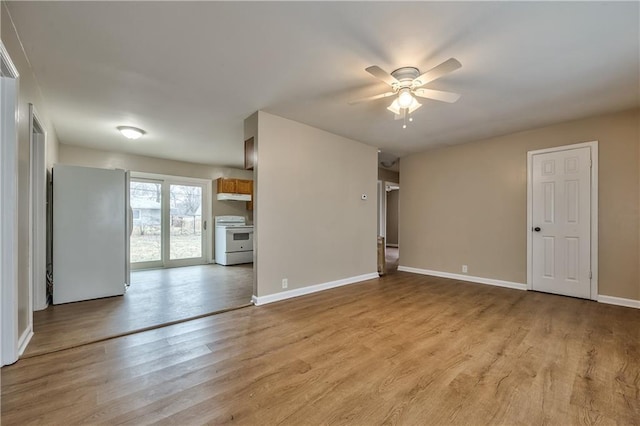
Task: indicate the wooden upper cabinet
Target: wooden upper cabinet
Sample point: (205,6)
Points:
(249,154)
(227,186)
(235,186)
(244,186)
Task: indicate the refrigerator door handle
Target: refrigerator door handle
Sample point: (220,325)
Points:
(130,221)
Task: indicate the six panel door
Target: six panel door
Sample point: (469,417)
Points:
(561,220)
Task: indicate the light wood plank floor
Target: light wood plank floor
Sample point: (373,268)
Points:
(155,297)
(402,349)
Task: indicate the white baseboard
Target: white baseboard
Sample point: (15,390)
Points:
(619,301)
(479,280)
(270,298)
(24,340)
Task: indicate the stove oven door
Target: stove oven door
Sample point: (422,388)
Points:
(239,239)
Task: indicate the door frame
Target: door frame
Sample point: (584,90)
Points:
(593,145)
(382,210)
(385,184)
(9,346)
(37,212)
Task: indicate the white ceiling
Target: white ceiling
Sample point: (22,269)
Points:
(190,73)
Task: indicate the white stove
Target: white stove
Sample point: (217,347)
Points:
(233,241)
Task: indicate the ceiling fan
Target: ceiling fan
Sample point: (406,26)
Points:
(406,83)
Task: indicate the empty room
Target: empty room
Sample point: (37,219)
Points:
(296,213)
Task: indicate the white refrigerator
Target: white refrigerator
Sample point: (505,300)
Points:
(91,225)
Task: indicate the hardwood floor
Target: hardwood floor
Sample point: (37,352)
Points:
(155,297)
(402,349)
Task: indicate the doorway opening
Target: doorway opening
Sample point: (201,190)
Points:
(392,255)
(173,277)
(38,212)
(388,244)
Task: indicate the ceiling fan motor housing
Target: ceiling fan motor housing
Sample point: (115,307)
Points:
(405,76)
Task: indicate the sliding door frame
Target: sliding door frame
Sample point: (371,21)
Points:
(207,233)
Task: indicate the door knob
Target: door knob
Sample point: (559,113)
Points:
(537,229)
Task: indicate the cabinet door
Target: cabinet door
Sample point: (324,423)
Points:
(244,186)
(227,186)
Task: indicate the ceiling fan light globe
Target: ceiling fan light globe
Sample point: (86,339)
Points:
(414,106)
(394,107)
(405,98)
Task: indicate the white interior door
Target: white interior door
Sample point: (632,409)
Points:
(561,222)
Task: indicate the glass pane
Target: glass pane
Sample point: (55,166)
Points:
(185,235)
(146,236)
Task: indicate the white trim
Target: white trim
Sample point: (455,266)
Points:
(392,245)
(9,218)
(619,301)
(469,278)
(24,340)
(593,145)
(276,297)
(4,54)
(382,210)
(37,214)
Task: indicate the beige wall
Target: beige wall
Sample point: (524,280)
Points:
(392,216)
(388,175)
(466,204)
(312,227)
(88,157)
(29,92)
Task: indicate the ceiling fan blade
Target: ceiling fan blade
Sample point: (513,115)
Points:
(381,74)
(438,71)
(437,95)
(372,98)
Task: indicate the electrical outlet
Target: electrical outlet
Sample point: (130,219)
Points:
(285,283)
(465,269)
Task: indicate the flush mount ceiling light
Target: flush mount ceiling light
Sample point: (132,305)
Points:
(406,83)
(130,132)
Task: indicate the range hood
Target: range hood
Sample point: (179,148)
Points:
(224,196)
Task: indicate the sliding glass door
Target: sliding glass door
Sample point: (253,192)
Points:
(145,200)
(185,223)
(169,222)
